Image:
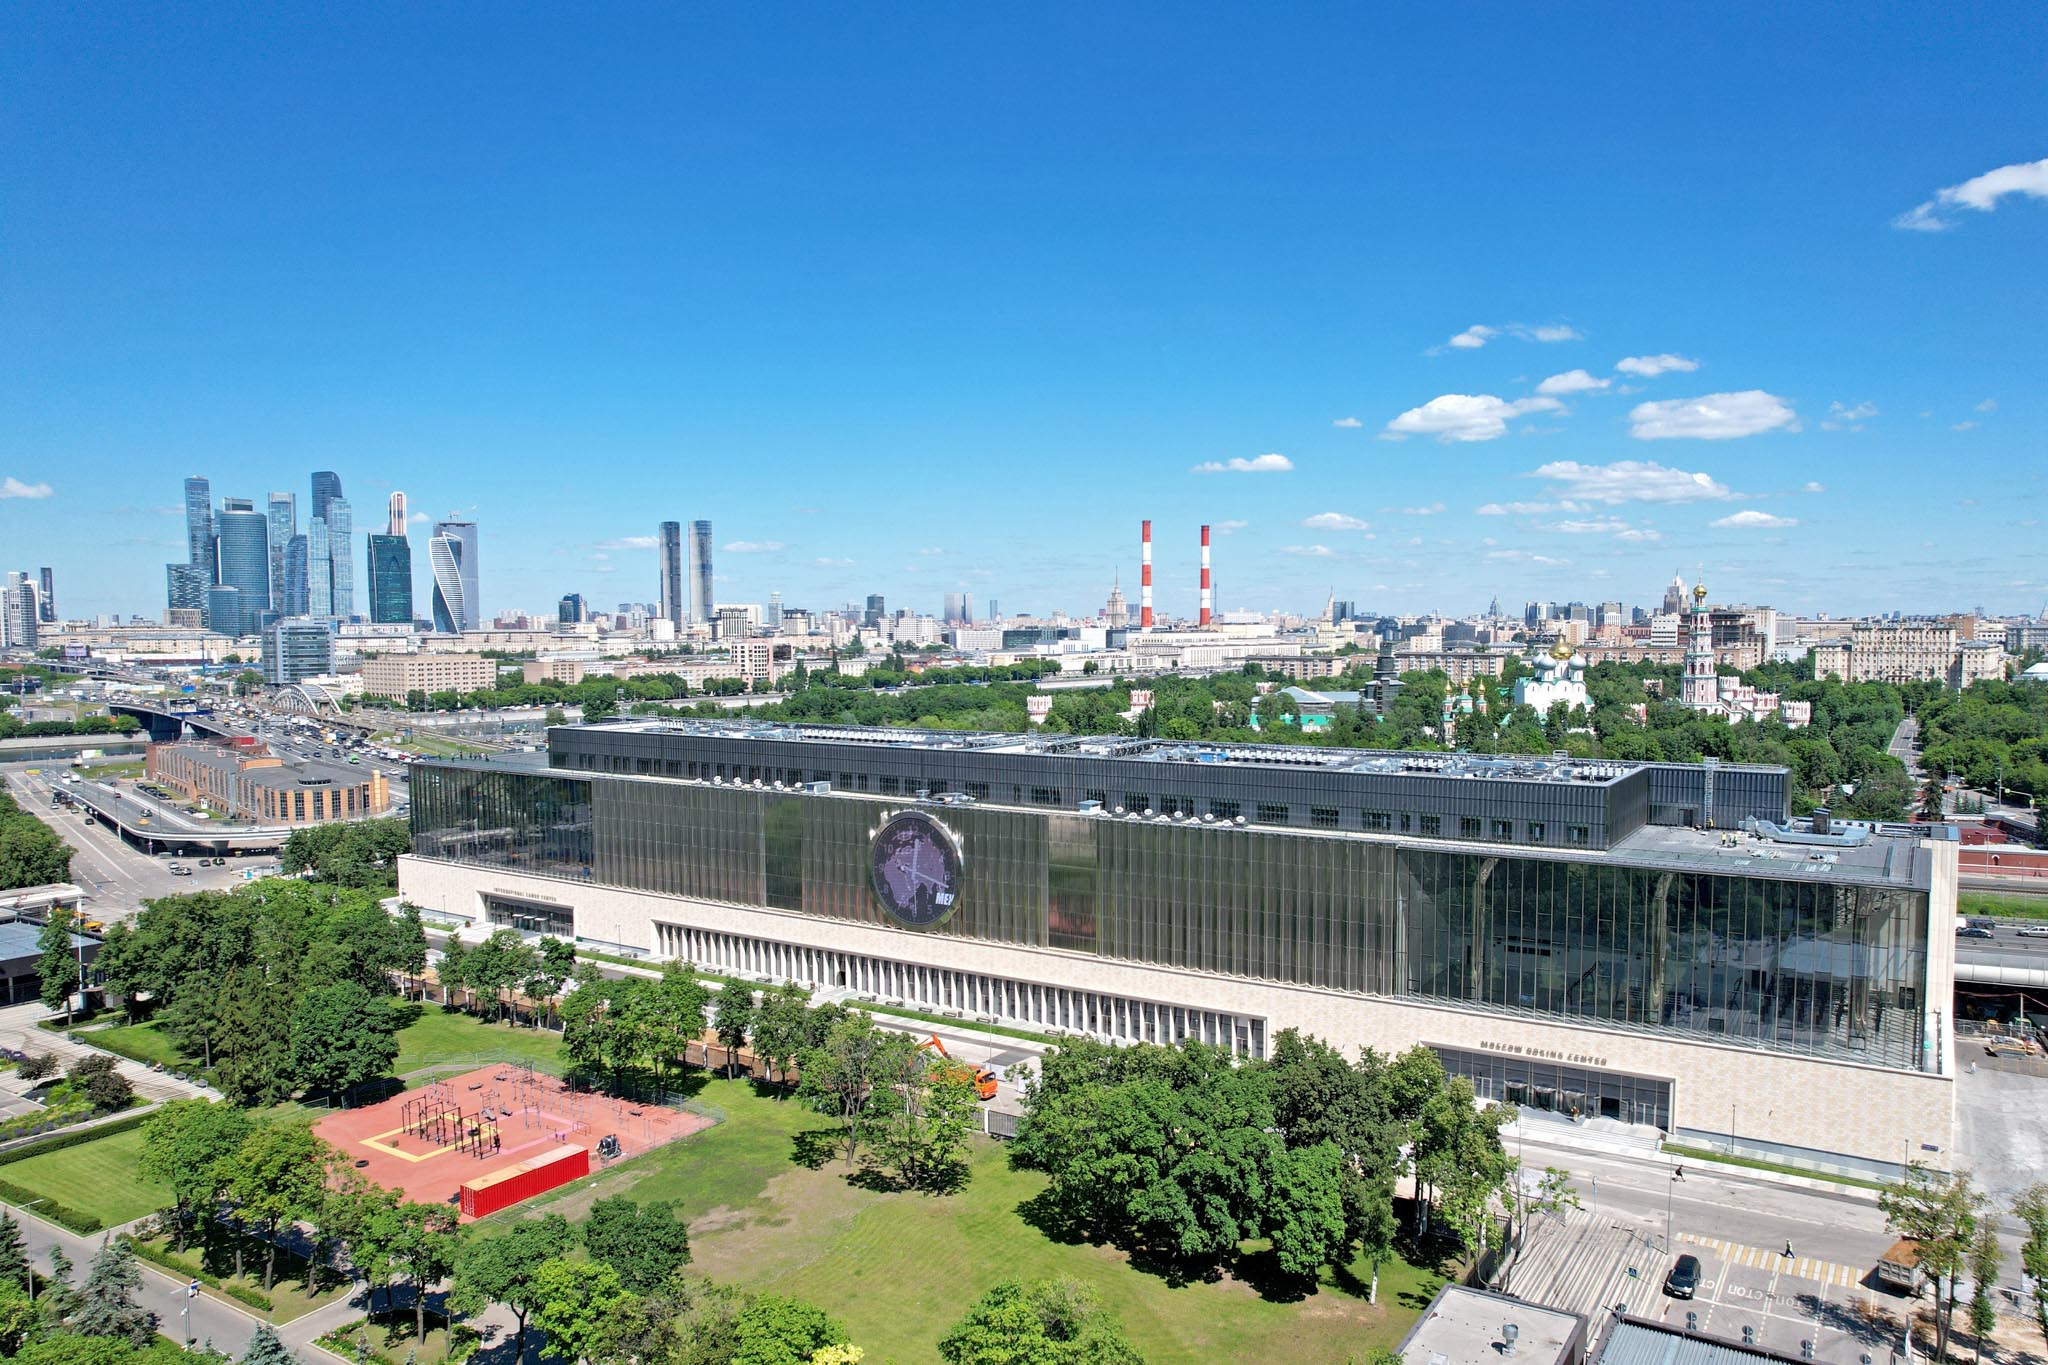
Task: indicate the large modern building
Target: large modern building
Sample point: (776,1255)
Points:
(244,556)
(390,579)
(395,675)
(1642,941)
(294,650)
(247,782)
(701,602)
(670,565)
(451,557)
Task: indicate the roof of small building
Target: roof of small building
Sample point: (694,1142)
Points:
(1464,1326)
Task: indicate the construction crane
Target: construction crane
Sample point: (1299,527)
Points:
(984,1079)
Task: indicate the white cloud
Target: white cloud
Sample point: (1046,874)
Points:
(1572,381)
(1516,509)
(753,547)
(1347,422)
(1982,193)
(1713,417)
(1958,426)
(1524,557)
(833,563)
(1988,405)
(1639,534)
(1258,464)
(1473,337)
(1464,417)
(1335,521)
(1631,481)
(1596,526)
(1312,551)
(1813,487)
(1225,528)
(1553,333)
(1751,519)
(1847,417)
(11,487)
(417,518)
(1650,366)
(933,550)
(1428,511)
(1478,334)
(628,543)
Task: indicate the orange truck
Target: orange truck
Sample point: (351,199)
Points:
(984,1079)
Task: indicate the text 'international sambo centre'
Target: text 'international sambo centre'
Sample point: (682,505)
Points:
(1650,942)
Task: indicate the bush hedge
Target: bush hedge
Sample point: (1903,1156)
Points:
(62,1215)
(192,1270)
(72,1139)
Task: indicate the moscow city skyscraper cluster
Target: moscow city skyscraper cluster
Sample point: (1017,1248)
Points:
(246,568)
(677,609)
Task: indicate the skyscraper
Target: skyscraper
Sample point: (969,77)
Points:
(326,489)
(959,609)
(773,617)
(390,565)
(397,527)
(244,554)
(876,609)
(19,616)
(199,550)
(284,524)
(47,603)
(342,557)
(297,595)
(570,611)
(452,555)
(670,547)
(319,569)
(700,571)
(184,589)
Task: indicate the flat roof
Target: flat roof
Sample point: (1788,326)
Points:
(1463,1326)
(1891,855)
(1193,753)
(18,940)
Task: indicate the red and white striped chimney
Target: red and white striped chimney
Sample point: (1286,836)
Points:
(1207,602)
(1145,582)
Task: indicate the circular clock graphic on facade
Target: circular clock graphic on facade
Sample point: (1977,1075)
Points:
(914,862)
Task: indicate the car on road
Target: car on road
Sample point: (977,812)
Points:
(1684,1280)
(180,870)
(1974,932)
(2034,931)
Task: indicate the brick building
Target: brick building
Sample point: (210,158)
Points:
(248,782)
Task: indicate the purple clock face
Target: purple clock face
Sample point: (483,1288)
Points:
(915,866)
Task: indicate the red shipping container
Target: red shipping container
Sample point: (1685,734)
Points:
(536,1175)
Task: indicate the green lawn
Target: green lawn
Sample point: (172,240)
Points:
(2001,907)
(441,1037)
(899,1269)
(98,1177)
(143,1043)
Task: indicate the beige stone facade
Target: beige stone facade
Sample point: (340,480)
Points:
(394,675)
(1820,1104)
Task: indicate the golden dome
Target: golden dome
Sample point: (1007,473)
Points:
(1561,651)
(1699,592)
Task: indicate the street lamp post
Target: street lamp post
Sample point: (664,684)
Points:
(1669,1186)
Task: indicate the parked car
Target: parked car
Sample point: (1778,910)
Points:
(1684,1280)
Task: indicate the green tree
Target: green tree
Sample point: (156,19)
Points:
(575,1303)
(412,943)
(106,1301)
(500,1268)
(843,1074)
(341,1036)
(1305,1216)
(779,1027)
(2031,1208)
(187,1147)
(275,1178)
(266,1349)
(674,1017)
(1940,1213)
(776,1330)
(21,1318)
(924,1125)
(58,967)
(645,1246)
(13,1252)
(1047,1322)
(1985,1258)
(60,1297)
(733,1016)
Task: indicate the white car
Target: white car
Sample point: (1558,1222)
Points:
(2034,931)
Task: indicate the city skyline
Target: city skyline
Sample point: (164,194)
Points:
(1452,331)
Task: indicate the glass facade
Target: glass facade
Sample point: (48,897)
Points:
(390,580)
(1830,968)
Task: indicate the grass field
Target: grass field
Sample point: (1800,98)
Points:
(443,1037)
(2001,907)
(143,1043)
(98,1177)
(900,1269)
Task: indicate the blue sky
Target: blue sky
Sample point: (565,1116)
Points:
(920,298)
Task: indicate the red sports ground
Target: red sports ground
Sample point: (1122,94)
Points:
(486,1140)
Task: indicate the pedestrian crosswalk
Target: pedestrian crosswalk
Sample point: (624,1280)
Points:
(1758,1258)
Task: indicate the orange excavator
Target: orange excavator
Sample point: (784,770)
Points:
(984,1079)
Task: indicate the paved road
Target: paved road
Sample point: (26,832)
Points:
(115,875)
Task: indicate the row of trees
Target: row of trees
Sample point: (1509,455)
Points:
(279,985)
(47,1320)
(1957,1231)
(1181,1154)
(354,853)
(496,974)
(31,854)
(13,727)
(1993,733)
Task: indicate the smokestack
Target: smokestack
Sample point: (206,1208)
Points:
(1207,602)
(1145,581)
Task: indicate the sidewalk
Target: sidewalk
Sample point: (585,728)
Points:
(18,1030)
